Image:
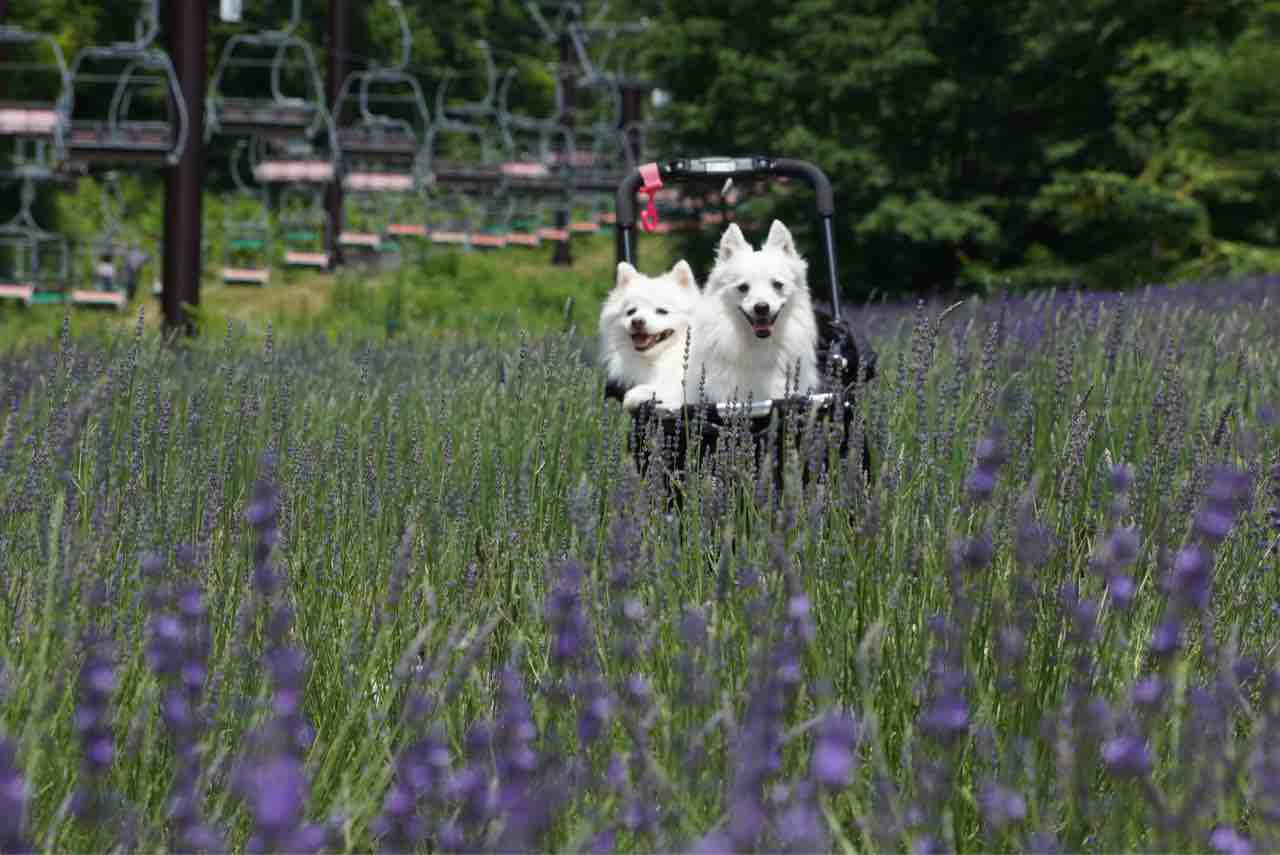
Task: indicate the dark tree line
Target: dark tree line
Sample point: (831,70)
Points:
(1003,143)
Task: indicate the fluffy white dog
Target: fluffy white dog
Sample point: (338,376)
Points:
(644,326)
(754,332)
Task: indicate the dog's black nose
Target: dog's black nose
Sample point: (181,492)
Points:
(762,309)
(637,324)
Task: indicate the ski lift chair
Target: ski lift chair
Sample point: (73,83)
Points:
(246,252)
(34,263)
(146,118)
(407,215)
(43,111)
(267,84)
(528,214)
(771,424)
(363,219)
(382,121)
(450,216)
(106,259)
(493,231)
(538,145)
(470,105)
(304,226)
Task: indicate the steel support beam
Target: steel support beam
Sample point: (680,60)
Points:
(188,28)
(339,51)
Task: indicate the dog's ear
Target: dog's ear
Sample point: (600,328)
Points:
(682,273)
(780,239)
(626,274)
(731,242)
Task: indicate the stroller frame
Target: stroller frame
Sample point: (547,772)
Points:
(769,421)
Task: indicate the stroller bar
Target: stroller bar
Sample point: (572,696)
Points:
(718,169)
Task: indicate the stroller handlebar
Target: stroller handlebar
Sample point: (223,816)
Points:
(688,169)
(711,169)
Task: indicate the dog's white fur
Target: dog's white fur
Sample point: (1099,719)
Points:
(644,326)
(754,334)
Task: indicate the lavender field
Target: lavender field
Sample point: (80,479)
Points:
(412,596)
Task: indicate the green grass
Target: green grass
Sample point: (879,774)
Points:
(462,470)
(435,288)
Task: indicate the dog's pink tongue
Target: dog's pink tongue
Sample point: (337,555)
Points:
(762,329)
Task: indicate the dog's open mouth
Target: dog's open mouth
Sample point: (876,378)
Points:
(644,341)
(762,327)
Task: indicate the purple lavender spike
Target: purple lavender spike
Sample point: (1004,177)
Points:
(13,802)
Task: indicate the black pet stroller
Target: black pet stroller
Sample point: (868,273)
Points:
(769,422)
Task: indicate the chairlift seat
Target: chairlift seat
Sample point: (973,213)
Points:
(524,239)
(367,240)
(407,230)
(301,236)
(489,240)
(551,233)
(379,182)
(46,298)
(298,258)
(135,142)
(584,227)
(263,118)
(526,169)
(245,276)
(449,237)
(294,171)
(396,144)
(88,297)
(462,172)
(32,120)
(247,244)
(20,291)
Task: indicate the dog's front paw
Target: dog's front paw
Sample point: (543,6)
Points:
(645,393)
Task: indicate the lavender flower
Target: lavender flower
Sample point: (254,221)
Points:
(1127,756)
(833,751)
(421,770)
(96,684)
(1001,806)
(1228,841)
(13,802)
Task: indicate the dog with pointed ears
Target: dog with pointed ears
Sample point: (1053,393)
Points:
(754,333)
(644,330)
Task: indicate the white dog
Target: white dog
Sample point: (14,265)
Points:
(754,332)
(643,330)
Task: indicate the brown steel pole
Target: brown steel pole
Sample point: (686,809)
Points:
(188,23)
(339,50)
(561,255)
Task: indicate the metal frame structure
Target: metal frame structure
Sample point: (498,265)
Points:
(382,122)
(407,215)
(246,238)
(106,256)
(304,227)
(278,113)
(40,118)
(32,247)
(365,231)
(119,137)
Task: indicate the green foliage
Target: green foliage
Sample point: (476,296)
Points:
(1111,145)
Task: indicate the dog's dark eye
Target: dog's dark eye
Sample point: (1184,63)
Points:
(743,287)
(630,312)
(778,286)
(662,311)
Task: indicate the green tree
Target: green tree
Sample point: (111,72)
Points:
(1012,141)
